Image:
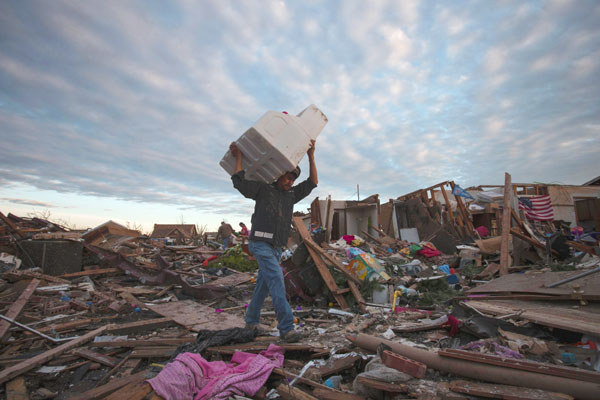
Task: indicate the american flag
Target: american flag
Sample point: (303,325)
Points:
(537,207)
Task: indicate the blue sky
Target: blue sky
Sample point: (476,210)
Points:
(122,109)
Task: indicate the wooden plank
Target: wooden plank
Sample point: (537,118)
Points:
(417,192)
(102,391)
(132,300)
(16,389)
(17,306)
(196,316)
(20,275)
(525,365)
(132,327)
(552,316)
(40,359)
(448,205)
(66,326)
(327,227)
(315,213)
(293,393)
(537,282)
(505,245)
(407,328)
(12,226)
(533,242)
(517,219)
(386,387)
(334,261)
(92,272)
(463,211)
(113,369)
(133,391)
(497,391)
(358,296)
(158,352)
(332,367)
(582,247)
(233,279)
(142,343)
(320,264)
(97,357)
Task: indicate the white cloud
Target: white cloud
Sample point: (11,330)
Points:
(493,126)
(452,23)
(495,58)
(544,62)
(400,45)
(584,66)
(311,27)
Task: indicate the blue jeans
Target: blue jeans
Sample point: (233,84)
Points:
(269,281)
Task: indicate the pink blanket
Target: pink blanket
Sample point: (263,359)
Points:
(191,376)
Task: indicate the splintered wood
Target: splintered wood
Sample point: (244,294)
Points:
(197,317)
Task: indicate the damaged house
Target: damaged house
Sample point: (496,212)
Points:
(179,234)
(441,293)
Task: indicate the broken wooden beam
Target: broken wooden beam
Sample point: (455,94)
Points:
(533,242)
(319,263)
(97,357)
(505,244)
(332,367)
(158,352)
(92,272)
(142,343)
(40,359)
(17,306)
(582,247)
(132,327)
(385,386)
(334,261)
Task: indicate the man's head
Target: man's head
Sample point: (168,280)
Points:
(286,181)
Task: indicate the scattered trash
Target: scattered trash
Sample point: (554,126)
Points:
(436,281)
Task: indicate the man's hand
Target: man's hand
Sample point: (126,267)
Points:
(234,150)
(238,157)
(311,150)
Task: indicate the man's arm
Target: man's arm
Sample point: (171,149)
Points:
(249,189)
(311,161)
(303,189)
(238,157)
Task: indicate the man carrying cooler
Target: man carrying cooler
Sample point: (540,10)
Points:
(271,224)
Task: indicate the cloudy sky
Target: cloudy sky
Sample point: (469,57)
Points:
(122,109)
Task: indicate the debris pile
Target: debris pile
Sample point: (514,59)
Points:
(443,293)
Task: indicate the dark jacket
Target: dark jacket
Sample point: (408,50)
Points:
(274,207)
